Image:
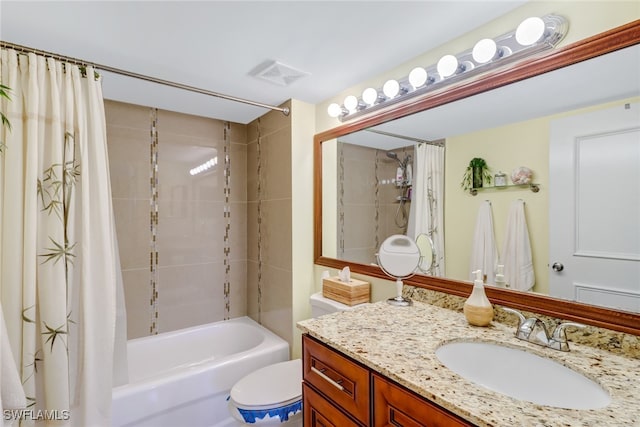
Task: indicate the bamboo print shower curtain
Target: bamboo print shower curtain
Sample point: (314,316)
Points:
(57,247)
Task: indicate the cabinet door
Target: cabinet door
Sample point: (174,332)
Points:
(341,380)
(395,406)
(318,412)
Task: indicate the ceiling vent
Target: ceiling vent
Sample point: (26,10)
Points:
(278,73)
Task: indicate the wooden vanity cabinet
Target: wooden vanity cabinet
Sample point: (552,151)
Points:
(342,381)
(338,391)
(396,406)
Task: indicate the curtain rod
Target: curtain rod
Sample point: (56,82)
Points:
(25,49)
(439,142)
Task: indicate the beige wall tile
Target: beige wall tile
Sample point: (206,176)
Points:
(276,165)
(252,231)
(190,295)
(276,235)
(252,172)
(276,301)
(252,289)
(238,176)
(127,115)
(132,228)
(190,232)
(238,231)
(137,295)
(192,224)
(238,295)
(129,163)
(186,125)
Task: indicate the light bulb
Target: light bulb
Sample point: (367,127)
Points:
(351,103)
(484,51)
(447,66)
(334,110)
(369,96)
(417,77)
(530,31)
(391,88)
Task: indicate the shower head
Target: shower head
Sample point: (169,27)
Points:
(392,155)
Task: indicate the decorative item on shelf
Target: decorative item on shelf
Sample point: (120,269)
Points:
(521,175)
(476,173)
(500,180)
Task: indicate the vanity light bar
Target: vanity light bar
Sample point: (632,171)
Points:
(532,36)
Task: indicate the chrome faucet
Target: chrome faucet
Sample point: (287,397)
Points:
(534,331)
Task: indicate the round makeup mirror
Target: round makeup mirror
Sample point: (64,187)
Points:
(399,257)
(427,253)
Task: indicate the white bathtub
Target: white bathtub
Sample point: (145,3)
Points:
(183,378)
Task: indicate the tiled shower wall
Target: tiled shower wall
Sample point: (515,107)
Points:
(367,205)
(269,265)
(201,231)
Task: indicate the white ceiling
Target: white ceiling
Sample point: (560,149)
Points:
(216,45)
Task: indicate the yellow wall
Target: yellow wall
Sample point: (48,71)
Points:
(504,148)
(302,128)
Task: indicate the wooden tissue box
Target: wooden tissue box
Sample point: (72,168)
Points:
(352,293)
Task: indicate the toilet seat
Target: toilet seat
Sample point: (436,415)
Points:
(273,391)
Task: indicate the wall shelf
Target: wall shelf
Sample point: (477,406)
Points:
(533,187)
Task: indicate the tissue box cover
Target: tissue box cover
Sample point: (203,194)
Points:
(352,293)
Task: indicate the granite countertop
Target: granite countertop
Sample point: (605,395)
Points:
(400,342)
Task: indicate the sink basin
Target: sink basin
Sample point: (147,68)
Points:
(522,375)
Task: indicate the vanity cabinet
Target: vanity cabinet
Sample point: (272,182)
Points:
(338,391)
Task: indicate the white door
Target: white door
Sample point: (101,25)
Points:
(594,208)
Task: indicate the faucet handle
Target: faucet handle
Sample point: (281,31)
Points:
(558,339)
(521,317)
(559,332)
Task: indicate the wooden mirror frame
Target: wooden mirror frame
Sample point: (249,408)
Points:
(600,44)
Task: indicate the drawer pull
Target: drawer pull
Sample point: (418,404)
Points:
(326,378)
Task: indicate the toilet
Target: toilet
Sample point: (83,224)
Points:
(273,395)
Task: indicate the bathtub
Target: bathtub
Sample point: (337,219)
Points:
(183,378)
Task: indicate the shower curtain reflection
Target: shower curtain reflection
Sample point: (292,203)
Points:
(426,214)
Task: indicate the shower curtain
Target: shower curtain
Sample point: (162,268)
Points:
(427,205)
(58,254)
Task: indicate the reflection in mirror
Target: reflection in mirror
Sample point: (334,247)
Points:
(509,127)
(399,258)
(427,253)
(509,114)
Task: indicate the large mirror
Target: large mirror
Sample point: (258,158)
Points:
(365,173)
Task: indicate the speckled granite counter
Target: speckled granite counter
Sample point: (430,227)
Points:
(400,342)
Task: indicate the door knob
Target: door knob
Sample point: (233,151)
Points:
(557,267)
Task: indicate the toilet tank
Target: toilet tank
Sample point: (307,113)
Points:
(321,305)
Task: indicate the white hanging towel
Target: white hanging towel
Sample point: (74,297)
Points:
(516,250)
(484,253)
(11,391)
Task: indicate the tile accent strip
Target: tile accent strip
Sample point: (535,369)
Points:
(259,197)
(153,223)
(227,218)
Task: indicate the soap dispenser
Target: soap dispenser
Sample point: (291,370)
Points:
(477,308)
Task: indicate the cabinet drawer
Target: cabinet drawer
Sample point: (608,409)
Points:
(395,406)
(318,412)
(341,380)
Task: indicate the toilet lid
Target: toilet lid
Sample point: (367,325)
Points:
(272,385)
